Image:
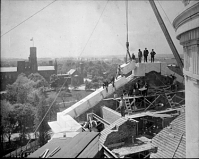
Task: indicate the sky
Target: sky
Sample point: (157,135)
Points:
(68,28)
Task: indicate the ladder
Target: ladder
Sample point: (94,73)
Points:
(128,105)
(172,104)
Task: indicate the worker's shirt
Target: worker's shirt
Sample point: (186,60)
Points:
(122,104)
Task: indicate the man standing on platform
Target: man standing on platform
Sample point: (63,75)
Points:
(146,52)
(133,56)
(140,56)
(152,55)
(122,106)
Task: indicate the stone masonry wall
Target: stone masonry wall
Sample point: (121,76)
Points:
(109,114)
(124,133)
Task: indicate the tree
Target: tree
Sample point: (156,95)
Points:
(21,79)
(43,127)
(54,108)
(63,95)
(39,80)
(95,85)
(25,118)
(11,93)
(54,81)
(22,94)
(33,97)
(41,111)
(88,85)
(78,96)
(19,90)
(8,121)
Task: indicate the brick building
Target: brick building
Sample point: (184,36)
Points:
(10,74)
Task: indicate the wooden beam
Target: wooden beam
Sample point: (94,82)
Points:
(152,103)
(148,101)
(100,119)
(181,101)
(173,96)
(108,152)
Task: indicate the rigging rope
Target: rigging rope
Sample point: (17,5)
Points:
(47,111)
(94,29)
(127,40)
(127,20)
(28,18)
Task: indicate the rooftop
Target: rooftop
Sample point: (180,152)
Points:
(171,140)
(71,147)
(8,69)
(43,68)
(71,71)
(14,69)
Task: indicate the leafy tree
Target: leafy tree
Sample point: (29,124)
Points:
(75,82)
(78,96)
(63,96)
(21,79)
(88,85)
(19,90)
(54,81)
(11,94)
(43,127)
(33,97)
(39,80)
(42,108)
(8,122)
(22,94)
(25,118)
(54,109)
(95,85)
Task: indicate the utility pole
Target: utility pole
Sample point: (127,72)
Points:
(166,33)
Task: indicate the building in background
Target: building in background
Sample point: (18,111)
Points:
(76,77)
(10,74)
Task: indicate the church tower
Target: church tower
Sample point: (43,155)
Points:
(33,59)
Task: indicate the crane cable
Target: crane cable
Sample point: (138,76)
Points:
(28,18)
(47,111)
(93,29)
(127,40)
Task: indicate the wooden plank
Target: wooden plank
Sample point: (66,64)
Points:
(108,151)
(77,149)
(100,119)
(70,145)
(51,146)
(91,153)
(115,145)
(89,148)
(134,150)
(94,149)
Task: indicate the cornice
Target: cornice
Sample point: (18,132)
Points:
(186,15)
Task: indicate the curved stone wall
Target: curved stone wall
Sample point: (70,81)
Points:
(187,30)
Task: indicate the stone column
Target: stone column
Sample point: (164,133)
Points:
(187,28)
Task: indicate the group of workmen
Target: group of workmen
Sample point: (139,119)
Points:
(140,86)
(145,54)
